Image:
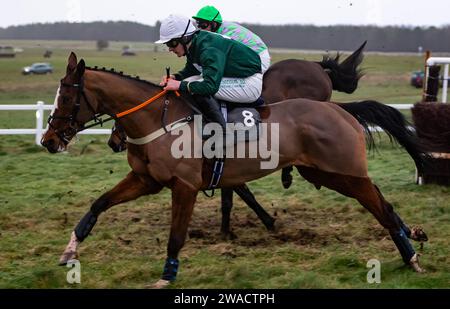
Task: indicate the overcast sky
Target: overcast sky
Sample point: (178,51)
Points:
(317,12)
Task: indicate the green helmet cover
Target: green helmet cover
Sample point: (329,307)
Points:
(209,13)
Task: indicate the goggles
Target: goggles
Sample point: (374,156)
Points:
(203,24)
(172,43)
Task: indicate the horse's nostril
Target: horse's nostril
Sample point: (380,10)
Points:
(47,143)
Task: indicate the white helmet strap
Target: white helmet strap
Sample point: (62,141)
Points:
(183,40)
(185,30)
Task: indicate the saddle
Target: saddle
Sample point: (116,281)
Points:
(242,120)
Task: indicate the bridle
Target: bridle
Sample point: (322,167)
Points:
(118,130)
(76,126)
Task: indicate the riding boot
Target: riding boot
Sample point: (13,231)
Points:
(210,109)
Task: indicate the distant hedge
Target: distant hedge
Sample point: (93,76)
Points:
(389,39)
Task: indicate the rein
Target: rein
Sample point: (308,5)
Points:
(138,107)
(66,134)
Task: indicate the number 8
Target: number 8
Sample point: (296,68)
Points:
(249,121)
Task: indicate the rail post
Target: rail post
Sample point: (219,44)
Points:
(39,122)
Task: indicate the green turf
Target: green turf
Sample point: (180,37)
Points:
(324,240)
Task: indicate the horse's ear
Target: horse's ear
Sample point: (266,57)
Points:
(72,63)
(80,68)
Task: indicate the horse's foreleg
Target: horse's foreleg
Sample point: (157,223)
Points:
(183,200)
(227,204)
(130,188)
(247,196)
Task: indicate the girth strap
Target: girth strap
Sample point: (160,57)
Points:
(160,132)
(217,173)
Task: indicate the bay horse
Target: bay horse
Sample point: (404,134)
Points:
(293,78)
(325,144)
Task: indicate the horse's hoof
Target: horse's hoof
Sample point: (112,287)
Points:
(67,256)
(271,225)
(414,262)
(418,234)
(287,181)
(228,235)
(160,284)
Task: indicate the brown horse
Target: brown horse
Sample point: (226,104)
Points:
(293,78)
(324,142)
(287,79)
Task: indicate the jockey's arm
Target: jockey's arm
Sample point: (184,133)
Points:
(213,63)
(188,71)
(174,82)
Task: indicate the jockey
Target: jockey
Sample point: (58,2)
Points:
(208,18)
(216,67)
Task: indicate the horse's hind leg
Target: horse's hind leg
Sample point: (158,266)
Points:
(371,198)
(416,233)
(130,188)
(286,177)
(368,195)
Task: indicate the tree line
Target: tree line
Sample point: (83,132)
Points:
(385,39)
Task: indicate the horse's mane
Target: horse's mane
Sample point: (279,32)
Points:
(187,97)
(121,74)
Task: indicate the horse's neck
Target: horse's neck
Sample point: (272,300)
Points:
(119,94)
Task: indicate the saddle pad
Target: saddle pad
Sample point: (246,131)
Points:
(245,124)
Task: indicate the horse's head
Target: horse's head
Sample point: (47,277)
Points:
(118,139)
(72,108)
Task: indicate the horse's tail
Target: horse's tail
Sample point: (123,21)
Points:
(392,122)
(344,76)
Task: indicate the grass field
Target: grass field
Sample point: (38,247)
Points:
(324,240)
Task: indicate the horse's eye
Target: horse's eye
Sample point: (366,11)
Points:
(65,100)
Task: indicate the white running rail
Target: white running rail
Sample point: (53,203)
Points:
(40,107)
(440,60)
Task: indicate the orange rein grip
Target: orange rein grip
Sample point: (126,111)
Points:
(138,107)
